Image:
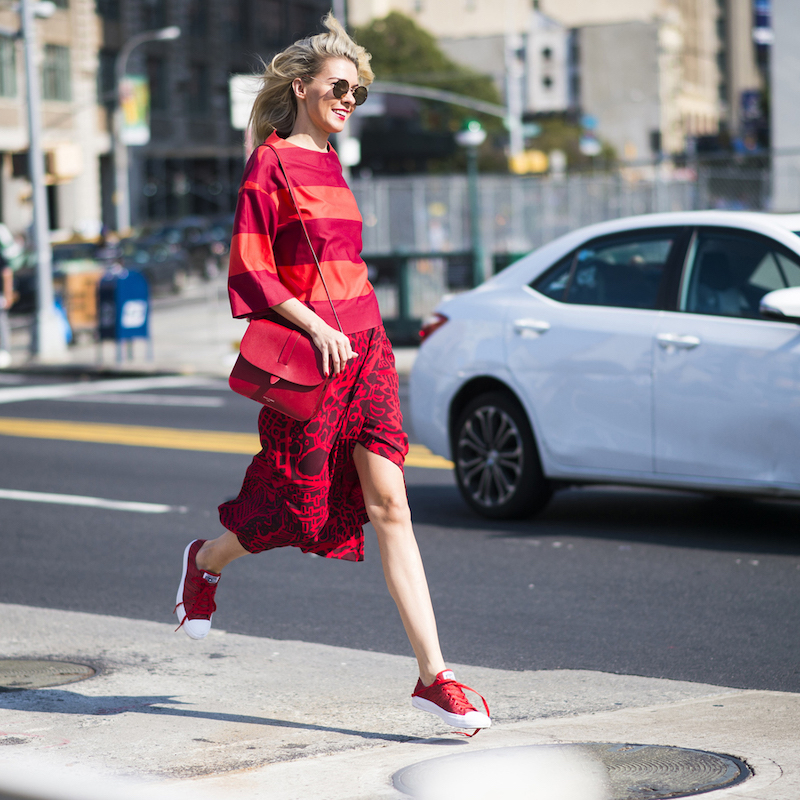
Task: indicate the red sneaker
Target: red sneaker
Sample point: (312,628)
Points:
(195,600)
(445,697)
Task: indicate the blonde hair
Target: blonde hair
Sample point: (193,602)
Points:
(275,106)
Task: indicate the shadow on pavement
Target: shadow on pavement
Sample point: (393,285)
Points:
(58,701)
(754,525)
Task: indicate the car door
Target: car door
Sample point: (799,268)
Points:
(727,383)
(584,357)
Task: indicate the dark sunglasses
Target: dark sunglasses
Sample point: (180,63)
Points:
(342,87)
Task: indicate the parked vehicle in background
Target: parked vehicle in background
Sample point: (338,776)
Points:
(204,241)
(660,350)
(168,256)
(164,265)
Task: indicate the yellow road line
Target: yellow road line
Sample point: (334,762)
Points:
(168,438)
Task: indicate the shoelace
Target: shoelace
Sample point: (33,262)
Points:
(455,691)
(203,603)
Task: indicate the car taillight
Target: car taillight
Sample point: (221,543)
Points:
(431,324)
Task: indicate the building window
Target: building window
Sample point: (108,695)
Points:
(198,18)
(155,14)
(8,67)
(158,78)
(56,83)
(198,98)
(108,9)
(236,20)
(106,78)
(269,22)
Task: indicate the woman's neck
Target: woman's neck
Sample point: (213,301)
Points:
(309,138)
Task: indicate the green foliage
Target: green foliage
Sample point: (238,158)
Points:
(404,52)
(559,133)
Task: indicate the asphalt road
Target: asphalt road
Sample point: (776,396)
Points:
(625,581)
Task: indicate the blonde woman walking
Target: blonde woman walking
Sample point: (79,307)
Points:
(314,484)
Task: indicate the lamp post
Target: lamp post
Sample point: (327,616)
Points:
(122,199)
(49,342)
(471,137)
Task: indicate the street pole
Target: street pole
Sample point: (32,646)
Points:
(122,192)
(474,216)
(471,137)
(49,342)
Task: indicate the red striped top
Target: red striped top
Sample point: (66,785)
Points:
(270,261)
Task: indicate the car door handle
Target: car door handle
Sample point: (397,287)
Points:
(680,342)
(531,327)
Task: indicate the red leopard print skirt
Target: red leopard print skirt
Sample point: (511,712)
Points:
(302,489)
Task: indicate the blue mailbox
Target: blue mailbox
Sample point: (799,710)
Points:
(123,306)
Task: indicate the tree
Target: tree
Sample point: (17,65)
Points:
(404,52)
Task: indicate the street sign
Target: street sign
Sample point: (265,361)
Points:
(135,99)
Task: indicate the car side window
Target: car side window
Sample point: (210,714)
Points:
(729,272)
(624,271)
(554,282)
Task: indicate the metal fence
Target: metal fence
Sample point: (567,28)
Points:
(429,216)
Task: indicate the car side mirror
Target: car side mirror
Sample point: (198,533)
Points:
(782,305)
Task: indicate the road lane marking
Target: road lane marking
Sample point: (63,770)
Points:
(134,435)
(168,438)
(91,502)
(54,391)
(420,456)
(141,399)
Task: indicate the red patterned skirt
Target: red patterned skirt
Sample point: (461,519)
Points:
(302,489)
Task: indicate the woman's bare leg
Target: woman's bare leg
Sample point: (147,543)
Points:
(387,506)
(217,553)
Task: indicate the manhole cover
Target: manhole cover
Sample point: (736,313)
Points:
(591,771)
(22,674)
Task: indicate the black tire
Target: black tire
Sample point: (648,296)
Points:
(497,464)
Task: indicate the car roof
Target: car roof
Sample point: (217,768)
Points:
(783,227)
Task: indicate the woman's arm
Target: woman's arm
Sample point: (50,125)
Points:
(7,288)
(334,345)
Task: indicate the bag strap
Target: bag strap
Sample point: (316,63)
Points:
(305,231)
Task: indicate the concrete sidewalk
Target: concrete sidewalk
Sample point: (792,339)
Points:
(236,716)
(191,334)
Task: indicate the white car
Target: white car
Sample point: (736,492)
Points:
(659,350)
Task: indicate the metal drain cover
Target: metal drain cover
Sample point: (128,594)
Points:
(591,771)
(23,674)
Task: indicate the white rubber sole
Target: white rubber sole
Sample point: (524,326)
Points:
(193,628)
(472,719)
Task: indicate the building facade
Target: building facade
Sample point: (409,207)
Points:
(74,134)
(648,71)
(193,161)
(785,107)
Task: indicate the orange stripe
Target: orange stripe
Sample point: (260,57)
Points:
(320,202)
(251,252)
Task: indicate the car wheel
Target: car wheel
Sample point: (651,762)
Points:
(496,461)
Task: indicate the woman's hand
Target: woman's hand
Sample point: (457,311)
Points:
(334,345)
(335,348)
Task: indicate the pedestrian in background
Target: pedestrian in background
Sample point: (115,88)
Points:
(314,484)
(6,301)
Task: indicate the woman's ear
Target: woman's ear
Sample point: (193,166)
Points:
(299,88)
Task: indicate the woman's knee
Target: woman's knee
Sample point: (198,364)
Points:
(389,510)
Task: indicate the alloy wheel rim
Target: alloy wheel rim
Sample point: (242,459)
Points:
(490,456)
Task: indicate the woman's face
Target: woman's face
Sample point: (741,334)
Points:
(326,112)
